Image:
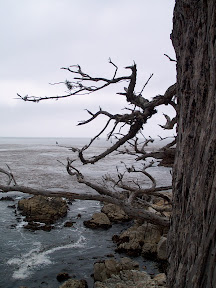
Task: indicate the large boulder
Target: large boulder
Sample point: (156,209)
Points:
(43,209)
(139,239)
(106,268)
(73,283)
(99,220)
(129,278)
(115,213)
(159,204)
(160,279)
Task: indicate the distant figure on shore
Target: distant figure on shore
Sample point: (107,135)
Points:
(56,143)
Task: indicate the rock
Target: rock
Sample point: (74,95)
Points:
(73,283)
(140,239)
(110,255)
(114,213)
(160,279)
(69,224)
(43,209)
(162,249)
(104,269)
(7,198)
(161,203)
(37,226)
(12,206)
(62,276)
(128,279)
(99,220)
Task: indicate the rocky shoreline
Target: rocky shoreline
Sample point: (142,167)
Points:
(140,239)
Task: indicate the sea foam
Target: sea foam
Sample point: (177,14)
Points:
(28,262)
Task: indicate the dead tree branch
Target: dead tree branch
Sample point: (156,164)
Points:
(131,197)
(9,174)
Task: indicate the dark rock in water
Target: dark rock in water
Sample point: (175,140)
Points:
(43,209)
(99,220)
(69,224)
(73,283)
(110,255)
(115,238)
(38,226)
(13,226)
(7,198)
(47,228)
(70,201)
(12,206)
(63,276)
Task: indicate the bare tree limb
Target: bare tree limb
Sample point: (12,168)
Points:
(131,196)
(135,212)
(10,175)
(173,60)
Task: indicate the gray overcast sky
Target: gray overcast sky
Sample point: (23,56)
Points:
(38,37)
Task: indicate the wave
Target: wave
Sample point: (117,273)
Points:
(28,262)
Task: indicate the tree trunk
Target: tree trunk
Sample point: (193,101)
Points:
(192,237)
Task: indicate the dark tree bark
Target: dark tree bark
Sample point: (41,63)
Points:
(192,237)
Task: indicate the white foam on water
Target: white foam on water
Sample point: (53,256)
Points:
(36,257)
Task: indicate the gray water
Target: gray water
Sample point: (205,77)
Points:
(34,259)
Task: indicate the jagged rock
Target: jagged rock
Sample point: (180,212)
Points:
(37,226)
(43,209)
(12,206)
(140,239)
(115,213)
(161,203)
(104,269)
(99,220)
(160,279)
(162,249)
(73,283)
(69,223)
(62,276)
(128,278)
(7,198)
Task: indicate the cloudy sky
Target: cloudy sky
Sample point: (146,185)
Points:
(38,37)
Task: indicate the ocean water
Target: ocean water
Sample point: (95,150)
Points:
(34,259)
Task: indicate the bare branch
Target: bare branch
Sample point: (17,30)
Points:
(170,122)
(146,83)
(110,61)
(135,213)
(9,174)
(131,196)
(173,60)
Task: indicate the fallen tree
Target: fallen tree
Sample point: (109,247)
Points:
(133,198)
